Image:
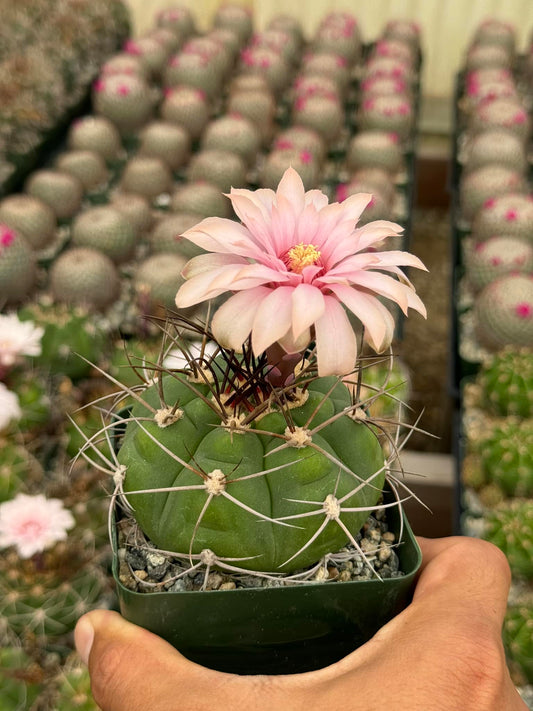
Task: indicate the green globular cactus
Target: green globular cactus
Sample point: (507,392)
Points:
(375,149)
(324,114)
(277,162)
(107,230)
(18,273)
(489,259)
(59,190)
(518,639)
(506,452)
(385,389)
(200,197)
(73,689)
(156,280)
(95,133)
(510,527)
(166,236)
(506,382)
(34,400)
(237,484)
(233,133)
(46,596)
(70,339)
(86,165)
(126,100)
(19,470)
(31,217)
(147,176)
(165,140)
(225,169)
(186,106)
(20,679)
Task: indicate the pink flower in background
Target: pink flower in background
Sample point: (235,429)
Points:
(9,407)
(33,523)
(294,263)
(18,338)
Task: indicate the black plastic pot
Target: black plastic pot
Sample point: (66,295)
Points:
(280,630)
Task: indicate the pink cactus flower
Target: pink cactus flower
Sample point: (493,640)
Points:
(7,236)
(306,157)
(33,523)
(511,215)
(123,90)
(489,202)
(292,264)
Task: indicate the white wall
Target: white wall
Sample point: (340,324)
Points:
(447,25)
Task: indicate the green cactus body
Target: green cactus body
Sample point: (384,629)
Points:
(136,209)
(84,276)
(107,230)
(508,214)
(48,601)
(203,198)
(124,99)
(31,217)
(503,312)
(385,388)
(194,70)
(147,176)
(258,106)
(20,679)
(68,334)
(186,106)
(506,451)
(157,279)
(324,114)
(165,140)
(510,527)
(311,471)
(86,165)
(74,690)
(95,133)
(17,266)
(34,401)
(375,149)
(233,133)
(518,640)
(225,169)
(277,162)
(19,470)
(506,382)
(166,235)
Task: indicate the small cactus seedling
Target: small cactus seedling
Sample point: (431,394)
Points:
(84,277)
(31,217)
(506,382)
(107,230)
(258,457)
(503,312)
(510,527)
(518,639)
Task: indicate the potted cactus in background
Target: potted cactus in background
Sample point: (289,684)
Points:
(244,479)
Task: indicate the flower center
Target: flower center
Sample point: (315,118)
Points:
(301,256)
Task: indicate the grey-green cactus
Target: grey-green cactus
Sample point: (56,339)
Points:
(18,273)
(503,312)
(225,169)
(21,679)
(146,175)
(59,190)
(107,230)
(31,217)
(200,197)
(487,260)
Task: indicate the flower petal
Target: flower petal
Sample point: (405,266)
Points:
(336,343)
(375,317)
(219,234)
(398,258)
(209,263)
(233,321)
(272,319)
(307,306)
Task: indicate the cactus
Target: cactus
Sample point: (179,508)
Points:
(235,18)
(106,230)
(506,455)
(302,138)
(86,277)
(156,280)
(327,63)
(34,399)
(95,133)
(502,113)
(136,209)
(233,133)
(375,149)
(509,214)
(60,191)
(186,106)
(152,54)
(324,114)
(147,176)
(31,217)
(166,236)
(503,312)
(518,639)
(168,141)
(225,169)
(17,266)
(477,186)
(69,332)
(277,162)
(487,260)
(390,113)
(194,70)
(265,61)
(261,459)
(73,689)
(19,470)
(385,389)
(201,198)
(506,382)
(20,679)
(86,165)
(510,527)
(495,146)
(124,99)
(256,105)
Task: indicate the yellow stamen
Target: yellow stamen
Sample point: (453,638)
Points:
(301,256)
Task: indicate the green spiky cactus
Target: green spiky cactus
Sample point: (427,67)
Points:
(277,162)
(47,595)
(19,470)
(186,106)
(506,455)
(225,169)
(73,689)
(201,198)
(95,133)
(60,191)
(518,639)
(233,133)
(222,467)
(156,280)
(34,400)
(166,235)
(168,141)
(86,165)
(195,70)
(147,176)
(510,527)
(86,277)
(124,99)
(385,389)
(20,679)
(68,334)
(107,230)
(506,382)
(324,114)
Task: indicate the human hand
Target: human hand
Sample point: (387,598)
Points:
(442,653)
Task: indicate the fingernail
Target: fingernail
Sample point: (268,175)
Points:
(83,637)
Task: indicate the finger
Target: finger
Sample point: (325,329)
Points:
(132,669)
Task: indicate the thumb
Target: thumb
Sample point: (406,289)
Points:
(133,669)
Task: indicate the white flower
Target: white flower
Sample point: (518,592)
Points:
(18,338)
(9,407)
(33,523)
(177,360)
